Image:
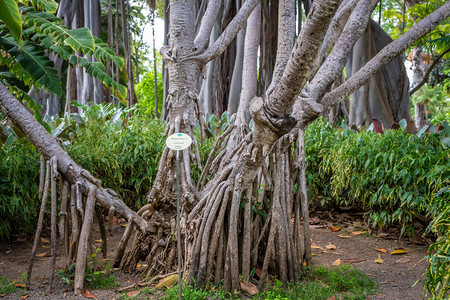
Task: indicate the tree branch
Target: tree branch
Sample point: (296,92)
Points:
(335,62)
(227,35)
(299,66)
(207,24)
(387,54)
(47,145)
(427,73)
(286,38)
(336,26)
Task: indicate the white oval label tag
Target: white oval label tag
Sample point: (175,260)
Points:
(178,141)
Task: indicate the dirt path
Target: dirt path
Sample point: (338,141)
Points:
(395,275)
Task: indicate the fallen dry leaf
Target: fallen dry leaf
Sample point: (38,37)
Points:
(380,250)
(138,266)
(258,272)
(337,262)
(167,281)
(332,298)
(99,241)
(133,293)
(398,251)
(88,294)
(334,228)
(317,247)
(24,296)
(330,252)
(42,254)
(382,235)
(343,236)
(249,288)
(44,240)
(21,285)
(358,232)
(403,260)
(330,246)
(379,260)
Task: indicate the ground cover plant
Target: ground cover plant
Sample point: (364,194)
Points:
(343,282)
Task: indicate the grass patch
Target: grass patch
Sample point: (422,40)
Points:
(6,286)
(344,282)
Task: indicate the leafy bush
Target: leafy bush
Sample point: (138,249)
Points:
(19,185)
(145,90)
(122,152)
(392,176)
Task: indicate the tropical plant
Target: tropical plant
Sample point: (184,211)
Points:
(145,91)
(19,176)
(391,176)
(25,60)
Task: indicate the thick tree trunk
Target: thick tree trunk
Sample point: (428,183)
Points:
(420,116)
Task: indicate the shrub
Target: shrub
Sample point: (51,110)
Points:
(391,176)
(124,155)
(19,185)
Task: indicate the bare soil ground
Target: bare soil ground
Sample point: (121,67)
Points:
(353,244)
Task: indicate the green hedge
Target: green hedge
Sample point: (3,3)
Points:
(19,185)
(124,156)
(392,176)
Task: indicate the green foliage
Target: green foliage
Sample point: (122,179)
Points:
(35,63)
(195,293)
(437,278)
(145,90)
(215,126)
(391,176)
(9,14)
(436,100)
(97,276)
(345,282)
(6,287)
(19,184)
(28,64)
(395,177)
(122,151)
(395,23)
